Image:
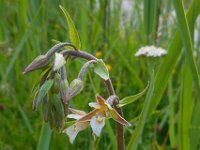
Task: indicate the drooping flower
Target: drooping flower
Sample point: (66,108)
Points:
(73,130)
(151,51)
(97,117)
(59,61)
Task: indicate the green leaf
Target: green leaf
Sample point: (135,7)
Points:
(45,137)
(185,105)
(168,64)
(101,70)
(56,101)
(130,99)
(44,90)
(187,41)
(150,15)
(45,109)
(74,37)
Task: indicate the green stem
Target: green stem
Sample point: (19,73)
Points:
(45,137)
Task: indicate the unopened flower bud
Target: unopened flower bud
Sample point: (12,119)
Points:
(62,85)
(59,61)
(74,88)
(37,63)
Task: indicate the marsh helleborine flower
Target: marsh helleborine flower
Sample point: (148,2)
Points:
(59,61)
(95,118)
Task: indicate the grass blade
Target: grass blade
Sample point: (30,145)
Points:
(134,141)
(185,109)
(111,135)
(183,25)
(169,63)
(172,133)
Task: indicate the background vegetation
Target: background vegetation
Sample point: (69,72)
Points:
(112,30)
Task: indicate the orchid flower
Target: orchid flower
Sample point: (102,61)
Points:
(97,117)
(73,130)
(59,61)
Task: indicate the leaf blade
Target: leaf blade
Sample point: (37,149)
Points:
(130,99)
(74,37)
(101,70)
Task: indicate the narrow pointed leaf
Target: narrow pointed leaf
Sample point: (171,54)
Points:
(74,37)
(56,101)
(45,109)
(130,99)
(44,90)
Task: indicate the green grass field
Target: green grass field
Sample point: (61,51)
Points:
(165,118)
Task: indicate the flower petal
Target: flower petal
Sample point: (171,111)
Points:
(100,100)
(72,133)
(76,111)
(73,130)
(94,105)
(59,61)
(88,116)
(74,116)
(97,123)
(114,114)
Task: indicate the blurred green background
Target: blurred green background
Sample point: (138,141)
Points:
(112,30)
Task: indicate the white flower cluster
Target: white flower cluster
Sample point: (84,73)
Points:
(151,51)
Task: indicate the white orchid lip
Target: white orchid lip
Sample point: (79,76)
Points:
(59,61)
(97,123)
(151,51)
(73,130)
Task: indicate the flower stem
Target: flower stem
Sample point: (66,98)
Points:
(111,91)
(45,137)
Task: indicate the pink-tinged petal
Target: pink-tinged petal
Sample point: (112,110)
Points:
(100,100)
(73,130)
(72,133)
(76,111)
(97,123)
(94,105)
(75,116)
(88,116)
(114,114)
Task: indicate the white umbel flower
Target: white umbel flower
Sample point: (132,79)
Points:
(59,61)
(151,51)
